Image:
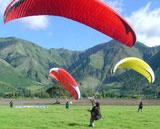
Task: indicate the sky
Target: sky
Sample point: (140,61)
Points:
(57,32)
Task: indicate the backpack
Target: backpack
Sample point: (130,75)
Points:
(96,114)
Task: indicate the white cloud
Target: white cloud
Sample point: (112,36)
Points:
(115,4)
(3,5)
(35,22)
(146,23)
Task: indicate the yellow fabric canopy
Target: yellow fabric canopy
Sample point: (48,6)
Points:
(138,65)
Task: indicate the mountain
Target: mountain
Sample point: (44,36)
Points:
(94,69)
(26,65)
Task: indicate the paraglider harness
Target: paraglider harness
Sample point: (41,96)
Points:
(96,114)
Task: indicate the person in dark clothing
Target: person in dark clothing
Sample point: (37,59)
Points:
(11,103)
(67,105)
(95,113)
(140,106)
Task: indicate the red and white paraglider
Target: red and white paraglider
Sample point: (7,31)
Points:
(93,13)
(66,80)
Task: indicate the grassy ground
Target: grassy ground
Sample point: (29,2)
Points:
(77,117)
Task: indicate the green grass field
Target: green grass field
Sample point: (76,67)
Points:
(77,117)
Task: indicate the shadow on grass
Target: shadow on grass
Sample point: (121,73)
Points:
(76,124)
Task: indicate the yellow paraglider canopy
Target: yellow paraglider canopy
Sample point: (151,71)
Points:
(138,65)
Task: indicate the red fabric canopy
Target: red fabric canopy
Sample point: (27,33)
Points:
(93,13)
(66,80)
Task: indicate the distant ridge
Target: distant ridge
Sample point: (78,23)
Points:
(26,65)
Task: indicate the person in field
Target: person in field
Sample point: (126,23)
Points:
(67,105)
(95,112)
(70,103)
(140,106)
(11,103)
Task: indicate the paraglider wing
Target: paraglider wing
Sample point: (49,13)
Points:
(93,13)
(66,80)
(138,65)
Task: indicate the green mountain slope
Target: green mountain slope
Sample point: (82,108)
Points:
(26,65)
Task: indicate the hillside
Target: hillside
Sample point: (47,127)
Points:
(26,65)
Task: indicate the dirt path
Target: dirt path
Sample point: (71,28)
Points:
(116,102)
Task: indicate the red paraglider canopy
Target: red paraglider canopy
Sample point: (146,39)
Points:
(66,80)
(93,13)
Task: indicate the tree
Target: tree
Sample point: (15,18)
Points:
(57,90)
